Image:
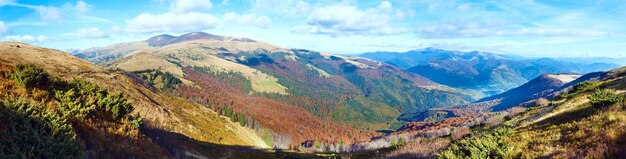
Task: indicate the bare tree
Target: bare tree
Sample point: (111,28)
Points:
(541,102)
(281,141)
(460,132)
(494,120)
(516,110)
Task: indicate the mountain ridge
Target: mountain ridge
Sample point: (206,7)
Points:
(482,71)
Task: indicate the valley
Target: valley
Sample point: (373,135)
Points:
(312,79)
(267,97)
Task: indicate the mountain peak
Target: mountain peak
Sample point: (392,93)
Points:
(160,40)
(197,36)
(165,39)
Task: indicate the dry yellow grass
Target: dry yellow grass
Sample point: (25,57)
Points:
(321,72)
(194,53)
(565,78)
(571,129)
(194,121)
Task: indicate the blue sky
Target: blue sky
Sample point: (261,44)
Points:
(554,28)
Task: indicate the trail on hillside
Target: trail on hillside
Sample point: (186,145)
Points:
(568,106)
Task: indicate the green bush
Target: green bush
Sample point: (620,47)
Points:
(604,98)
(29,131)
(488,146)
(159,79)
(84,99)
(29,76)
(584,86)
(136,123)
(69,105)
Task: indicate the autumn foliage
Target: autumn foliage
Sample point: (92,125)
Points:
(295,122)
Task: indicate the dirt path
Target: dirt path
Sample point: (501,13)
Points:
(562,109)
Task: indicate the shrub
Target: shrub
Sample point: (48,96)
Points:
(604,98)
(29,76)
(70,106)
(397,142)
(85,99)
(584,86)
(159,79)
(136,123)
(29,131)
(489,146)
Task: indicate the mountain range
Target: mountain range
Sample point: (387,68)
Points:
(210,96)
(253,78)
(481,71)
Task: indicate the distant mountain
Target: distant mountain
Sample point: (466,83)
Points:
(543,86)
(486,72)
(160,40)
(546,86)
(588,60)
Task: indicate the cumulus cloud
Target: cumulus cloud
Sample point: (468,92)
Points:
(3,28)
(490,28)
(91,33)
(343,20)
(26,38)
(187,15)
(171,22)
(247,19)
(185,6)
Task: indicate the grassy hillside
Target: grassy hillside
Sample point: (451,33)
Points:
(163,116)
(49,117)
(587,122)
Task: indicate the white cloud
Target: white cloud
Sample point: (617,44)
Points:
(287,8)
(6,2)
(187,15)
(185,6)
(91,33)
(82,7)
(3,28)
(344,20)
(26,38)
(116,29)
(258,5)
(171,22)
(247,19)
(301,7)
(490,28)
(224,2)
(48,13)
(57,13)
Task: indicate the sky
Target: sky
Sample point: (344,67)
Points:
(550,28)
